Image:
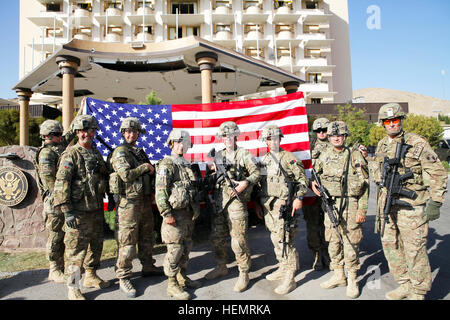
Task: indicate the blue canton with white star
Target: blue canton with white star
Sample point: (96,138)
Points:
(155,119)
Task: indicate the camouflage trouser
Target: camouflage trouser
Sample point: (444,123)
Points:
(275,226)
(351,233)
(178,238)
(232,220)
(84,245)
(135,228)
(315,229)
(54,222)
(405,247)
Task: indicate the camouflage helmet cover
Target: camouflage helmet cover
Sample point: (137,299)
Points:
(390,111)
(131,123)
(320,123)
(337,128)
(50,126)
(178,135)
(270,131)
(85,121)
(228,128)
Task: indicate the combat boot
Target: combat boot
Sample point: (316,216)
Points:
(91,280)
(337,280)
(75,294)
(219,271)
(317,264)
(276,275)
(174,290)
(242,282)
(416,296)
(185,282)
(287,285)
(55,274)
(399,293)
(127,288)
(352,286)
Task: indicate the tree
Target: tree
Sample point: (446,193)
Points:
(359,127)
(427,127)
(376,134)
(152,99)
(10,129)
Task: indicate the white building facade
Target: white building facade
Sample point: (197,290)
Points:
(309,38)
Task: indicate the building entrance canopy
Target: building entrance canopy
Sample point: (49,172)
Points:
(172,69)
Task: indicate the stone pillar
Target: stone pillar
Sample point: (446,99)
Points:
(206,60)
(68,66)
(291,86)
(120,99)
(24,96)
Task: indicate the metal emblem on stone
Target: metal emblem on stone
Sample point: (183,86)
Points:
(13,186)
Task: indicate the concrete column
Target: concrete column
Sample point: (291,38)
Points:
(24,96)
(291,86)
(206,60)
(120,99)
(68,66)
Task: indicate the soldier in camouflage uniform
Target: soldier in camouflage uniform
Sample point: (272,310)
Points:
(313,212)
(80,186)
(344,173)
(131,182)
(177,201)
(231,216)
(405,235)
(273,194)
(46,164)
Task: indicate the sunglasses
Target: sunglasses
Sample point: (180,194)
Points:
(56,134)
(321,130)
(389,121)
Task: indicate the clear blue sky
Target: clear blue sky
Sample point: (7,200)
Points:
(408,51)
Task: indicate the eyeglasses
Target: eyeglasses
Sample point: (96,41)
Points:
(56,134)
(320,130)
(389,121)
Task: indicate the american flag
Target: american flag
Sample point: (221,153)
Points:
(202,122)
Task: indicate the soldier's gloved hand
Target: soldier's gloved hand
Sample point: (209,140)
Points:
(71,222)
(433,210)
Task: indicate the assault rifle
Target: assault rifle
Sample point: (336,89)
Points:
(328,205)
(393,182)
(222,172)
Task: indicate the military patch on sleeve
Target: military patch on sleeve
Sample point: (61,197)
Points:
(67,165)
(162,172)
(120,154)
(418,150)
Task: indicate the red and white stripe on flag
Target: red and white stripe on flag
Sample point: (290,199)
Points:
(288,112)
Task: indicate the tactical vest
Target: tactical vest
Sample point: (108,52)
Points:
(334,172)
(139,187)
(44,192)
(88,185)
(275,184)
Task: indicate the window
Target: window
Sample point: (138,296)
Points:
(250,3)
(117,4)
(223,3)
(50,32)
(316,101)
(53,7)
(148,4)
(223,27)
(183,32)
(277,4)
(311,4)
(315,78)
(184,7)
(147,29)
(86,5)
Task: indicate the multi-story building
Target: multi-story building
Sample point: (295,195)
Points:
(310,38)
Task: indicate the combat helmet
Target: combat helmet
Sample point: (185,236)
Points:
(270,131)
(178,135)
(337,128)
(50,126)
(320,123)
(131,123)
(228,128)
(390,111)
(84,121)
